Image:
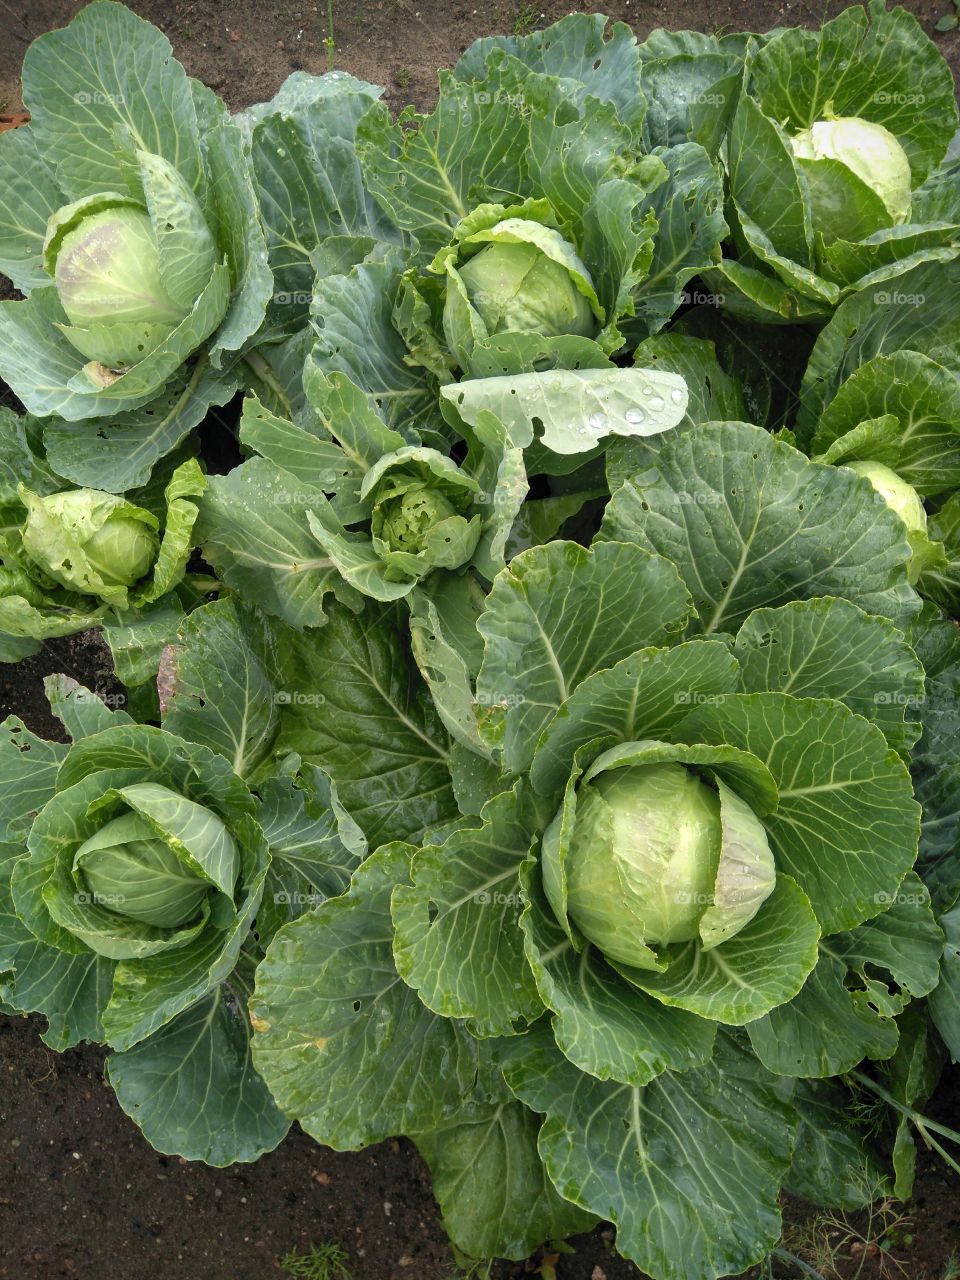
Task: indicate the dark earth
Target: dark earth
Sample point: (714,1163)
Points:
(82,1195)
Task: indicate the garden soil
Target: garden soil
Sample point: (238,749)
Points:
(82,1195)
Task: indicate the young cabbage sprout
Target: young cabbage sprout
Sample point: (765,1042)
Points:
(92,542)
(422,515)
(871,156)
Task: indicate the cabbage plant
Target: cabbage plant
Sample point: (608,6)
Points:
(140,876)
(604,869)
(73,559)
(839,181)
(131,225)
(879,395)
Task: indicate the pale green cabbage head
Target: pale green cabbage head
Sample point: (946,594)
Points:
(643,858)
(869,151)
(131,868)
(92,542)
(518,286)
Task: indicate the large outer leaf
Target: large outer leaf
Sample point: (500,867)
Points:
(578,47)
(917,311)
(192,1089)
(108,68)
(642,696)
(343,1044)
(356,705)
(847,825)
(845,1011)
(944,1003)
(71,991)
(235,213)
(494,1193)
(29,194)
(886,71)
(749,522)
(832,1163)
(309,181)
(936,757)
(254,531)
(430,174)
(688,1168)
(924,398)
(690,225)
(604,1025)
(828,648)
(458,941)
(557,614)
(120,454)
(28,776)
(314,847)
(575,408)
(353,315)
(222,691)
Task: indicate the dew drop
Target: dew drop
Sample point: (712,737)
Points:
(656,404)
(676,395)
(634,415)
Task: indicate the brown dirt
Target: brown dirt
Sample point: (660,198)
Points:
(82,1195)
(245,48)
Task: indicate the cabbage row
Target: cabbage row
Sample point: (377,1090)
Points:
(542,721)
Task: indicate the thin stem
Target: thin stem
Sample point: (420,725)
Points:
(923,1123)
(262,370)
(799,1263)
(330,42)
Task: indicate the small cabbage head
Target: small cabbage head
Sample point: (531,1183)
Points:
(647,864)
(872,155)
(520,282)
(128,273)
(902,498)
(513,271)
(422,512)
(134,868)
(89,541)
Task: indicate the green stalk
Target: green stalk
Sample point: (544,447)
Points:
(923,1124)
(329,42)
